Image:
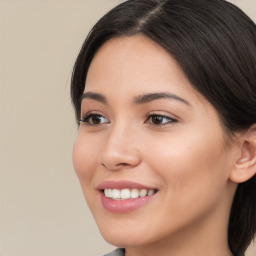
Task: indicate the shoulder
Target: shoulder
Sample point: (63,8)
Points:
(117,252)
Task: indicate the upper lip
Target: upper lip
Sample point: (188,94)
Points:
(121,184)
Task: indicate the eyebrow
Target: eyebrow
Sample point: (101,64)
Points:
(94,96)
(141,99)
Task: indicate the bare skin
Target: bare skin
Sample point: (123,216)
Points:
(148,125)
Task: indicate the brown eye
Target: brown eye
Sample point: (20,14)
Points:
(94,119)
(160,119)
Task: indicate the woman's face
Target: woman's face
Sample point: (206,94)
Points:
(155,146)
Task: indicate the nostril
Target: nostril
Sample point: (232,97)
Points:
(116,158)
(122,164)
(114,166)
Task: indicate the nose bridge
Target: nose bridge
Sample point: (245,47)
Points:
(119,150)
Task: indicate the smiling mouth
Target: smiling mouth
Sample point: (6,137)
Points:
(124,194)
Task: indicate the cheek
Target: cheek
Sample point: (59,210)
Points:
(192,171)
(190,164)
(84,159)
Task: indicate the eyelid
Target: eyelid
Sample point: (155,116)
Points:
(85,114)
(171,119)
(85,118)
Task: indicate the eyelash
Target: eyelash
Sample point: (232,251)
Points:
(160,117)
(87,119)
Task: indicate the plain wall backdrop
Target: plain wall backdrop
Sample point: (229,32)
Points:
(42,209)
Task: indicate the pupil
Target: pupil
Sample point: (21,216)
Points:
(96,119)
(157,119)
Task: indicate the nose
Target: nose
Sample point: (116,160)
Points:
(120,150)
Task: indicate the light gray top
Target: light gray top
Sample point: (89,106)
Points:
(117,252)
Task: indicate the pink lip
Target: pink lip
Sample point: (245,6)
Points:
(123,206)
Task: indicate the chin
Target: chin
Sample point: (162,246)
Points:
(125,237)
(124,241)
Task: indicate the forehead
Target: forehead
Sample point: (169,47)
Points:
(135,63)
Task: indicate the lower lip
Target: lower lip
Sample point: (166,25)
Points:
(123,206)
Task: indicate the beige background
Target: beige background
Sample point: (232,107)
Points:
(42,210)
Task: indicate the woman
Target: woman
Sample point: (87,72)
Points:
(165,95)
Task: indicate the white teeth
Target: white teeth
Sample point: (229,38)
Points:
(108,192)
(116,193)
(143,192)
(134,193)
(126,193)
(151,192)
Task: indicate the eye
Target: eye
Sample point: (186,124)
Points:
(158,120)
(94,119)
